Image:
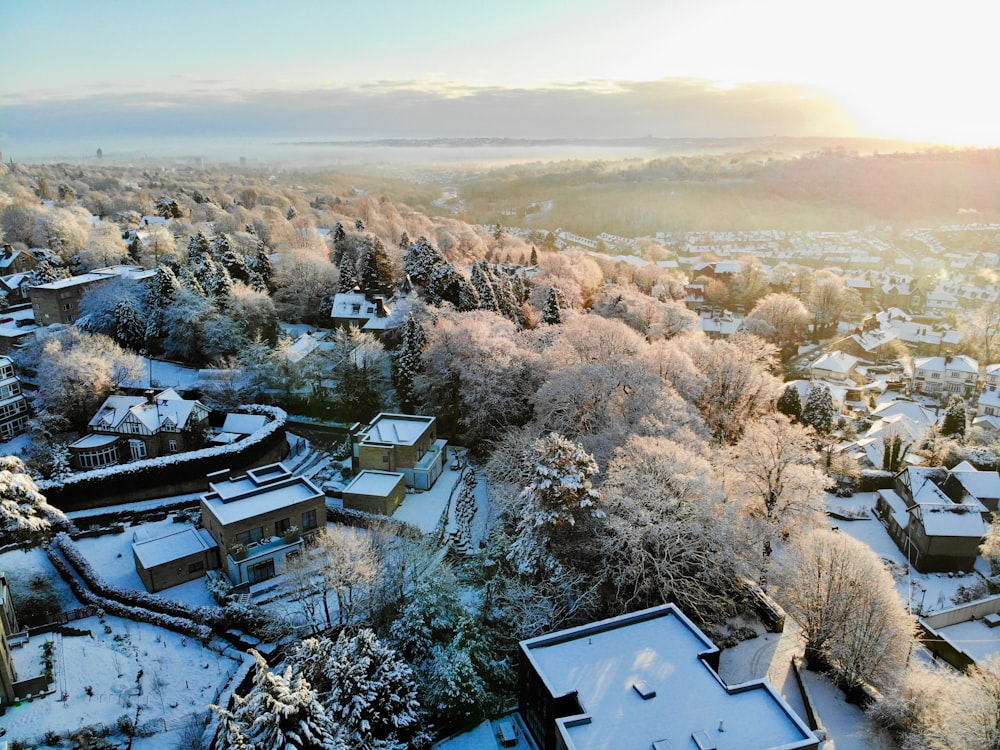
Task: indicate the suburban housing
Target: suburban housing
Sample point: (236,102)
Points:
(13,404)
(129,428)
(646,680)
(403,443)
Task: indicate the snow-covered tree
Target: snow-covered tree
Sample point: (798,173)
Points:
(281,712)
(130,328)
(375,272)
(421,261)
(772,473)
(955,419)
(785,317)
(559,495)
(366,688)
(407,363)
(845,600)
(552,312)
(465,512)
(819,411)
(24,512)
(447,284)
(790,402)
(348,274)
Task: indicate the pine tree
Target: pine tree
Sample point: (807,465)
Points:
(552,313)
(359,225)
(955,418)
(281,712)
(421,261)
(135,249)
(159,296)
(235,264)
(348,274)
(481,278)
(408,363)
(262,265)
(790,402)
(24,512)
(366,688)
(198,248)
(374,268)
(404,241)
(339,243)
(534,256)
(819,411)
(130,329)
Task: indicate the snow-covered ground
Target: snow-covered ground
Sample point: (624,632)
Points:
(166,375)
(425,509)
(111,672)
(111,556)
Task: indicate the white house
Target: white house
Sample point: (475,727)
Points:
(836,366)
(948,374)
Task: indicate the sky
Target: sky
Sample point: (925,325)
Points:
(905,69)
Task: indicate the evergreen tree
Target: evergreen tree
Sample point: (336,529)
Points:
(262,266)
(894,450)
(359,225)
(955,418)
(24,512)
(281,712)
(135,249)
(404,241)
(234,263)
(421,261)
(552,313)
(46,272)
(348,274)
(483,284)
(408,363)
(819,411)
(291,213)
(358,398)
(339,243)
(447,284)
(465,513)
(366,688)
(374,268)
(790,402)
(198,248)
(159,297)
(534,256)
(130,328)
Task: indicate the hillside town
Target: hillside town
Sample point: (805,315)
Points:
(290,461)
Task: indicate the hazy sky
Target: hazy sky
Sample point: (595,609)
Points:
(910,69)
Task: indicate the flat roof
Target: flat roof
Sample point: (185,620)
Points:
(164,549)
(399,429)
(657,649)
(258,500)
(373,482)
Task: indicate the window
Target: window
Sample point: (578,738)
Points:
(280,527)
(309,520)
(132,428)
(261,571)
(101,457)
(137,449)
(196,566)
(172,446)
(385,459)
(253,535)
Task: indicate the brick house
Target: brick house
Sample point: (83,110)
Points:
(129,428)
(258,518)
(375,491)
(13,404)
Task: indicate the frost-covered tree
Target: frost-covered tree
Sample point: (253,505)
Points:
(130,328)
(465,513)
(819,411)
(24,513)
(281,712)
(559,496)
(366,688)
(846,603)
(421,261)
(790,402)
(447,284)
(955,418)
(482,281)
(375,272)
(552,312)
(772,473)
(785,317)
(407,363)
(348,274)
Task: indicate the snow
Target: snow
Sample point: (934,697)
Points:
(160,374)
(974,637)
(179,679)
(398,429)
(603,663)
(95,441)
(111,556)
(425,509)
(186,541)
(371,482)
(231,507)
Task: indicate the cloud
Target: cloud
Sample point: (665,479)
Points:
(594,109)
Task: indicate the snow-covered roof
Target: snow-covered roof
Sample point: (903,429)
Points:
(979,484)
(398,429)
(164,549)
(989,398)
(838,362)
(166,409)
(958,363)
(897,507)
(951,519)
(86,278)
(93,441)
(372,482)
(243,424)
(608,665)
(910,409)
(256,493)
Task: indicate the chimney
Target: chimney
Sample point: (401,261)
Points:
(379,307)
(150,395)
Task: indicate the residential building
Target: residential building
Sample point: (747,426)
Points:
(947,374)
(8,626)
(13,404)
(836,366)
(16,261)
(129,428)
(988,404)
(991,382)
(937,533)
(645,680)
(402,443)
(59,301)
(966,482)
(369,312)
(259,518)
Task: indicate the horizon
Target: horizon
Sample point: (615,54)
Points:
(676,69)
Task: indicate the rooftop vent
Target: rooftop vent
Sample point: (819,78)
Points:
(643,689)
(703,741)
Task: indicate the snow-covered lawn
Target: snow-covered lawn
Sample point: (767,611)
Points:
(21,565)
(111,556)
(924,592)
(424,509)
(166,375)
(178,680)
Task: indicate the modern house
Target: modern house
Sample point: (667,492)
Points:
(375,491)
(129,428)
(402,443)
(948,374)
(645,680)
(936,532)
(258,518)
(13,404)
